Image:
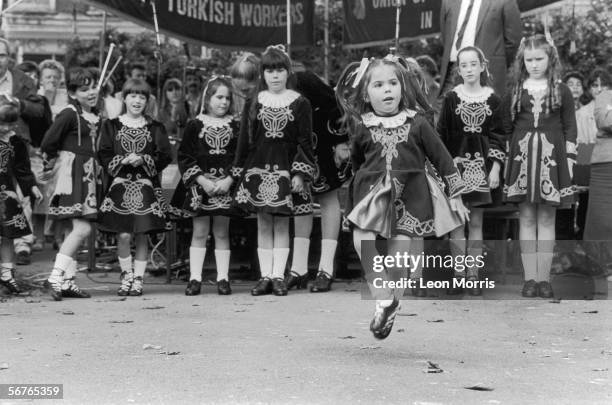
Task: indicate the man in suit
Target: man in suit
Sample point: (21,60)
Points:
(492,25)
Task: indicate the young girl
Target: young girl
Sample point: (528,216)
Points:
(470,127)
(275,150)
(14,166)
(134,149)
(541,156)
(205,158)
(389,193)
(72,140)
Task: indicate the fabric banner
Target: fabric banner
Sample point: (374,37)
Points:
(243,24)
(372,22)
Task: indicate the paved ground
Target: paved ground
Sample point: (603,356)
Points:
(304,348)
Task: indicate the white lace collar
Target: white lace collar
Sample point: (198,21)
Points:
(473,98)
(214,122)
(133,122)
(372,120)
(87,116)
(273,100)
(535,87)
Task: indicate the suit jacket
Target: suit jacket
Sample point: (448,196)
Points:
(498,34)
(35,116)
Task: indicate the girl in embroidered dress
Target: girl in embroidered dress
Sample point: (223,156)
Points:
(541,156)
(470,127)
(14,166)
(133,150)
(389,193)
(71,142)
(205,158)
(274,164)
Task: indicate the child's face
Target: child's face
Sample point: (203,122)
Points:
(276,79)
(243,87)
(470,67)
(174,93)
(575,86)
(597,87)
(135,103)
(536,63)
(219,103)
(86,95)
(384,90)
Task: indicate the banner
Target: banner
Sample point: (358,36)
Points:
(242,24)
(372,22)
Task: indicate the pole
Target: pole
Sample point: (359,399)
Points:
(326,43)
(397,24)
(289,27)
(158,55)
(102,41)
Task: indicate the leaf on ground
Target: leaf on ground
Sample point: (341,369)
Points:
(67,313)
(400,314)
(155,307)
(148,346)
(432,368)
(240,310)
(121,321)
(30,300)
(4,366)
(436,321)
(555,301)
(590,312)
(369,347)
(479,387)
(350,289)
(401,330)
(347,337)
(170,353)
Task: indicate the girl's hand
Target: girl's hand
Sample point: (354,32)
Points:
(456,204)
(137,161)
(570,166)
(341,153)
(297,184)
(494,179)
(37,194)
(224,185)
(127,160)
(209,187)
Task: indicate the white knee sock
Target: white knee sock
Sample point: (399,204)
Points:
(265,262)
(196,262)
(472,271)
(544,264)
(139,268)
(126,264)
(299,263)
(222,257)
(62,262)
(69,274)
(6,272)
(280,262)
(530,265)
(328,252)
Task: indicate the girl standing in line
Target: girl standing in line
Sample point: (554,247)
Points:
(134,149)
(542,153)
(470,127)
(274,165)
(389,193)
(71,142)
(205,159)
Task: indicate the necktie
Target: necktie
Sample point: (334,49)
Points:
(466,18)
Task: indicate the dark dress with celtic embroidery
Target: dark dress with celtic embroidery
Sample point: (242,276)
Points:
(327,132)
(471,129)
(208,149)
(538,170)
(77,182)
(134,201)
(14,166)
(389,192)
(272,149)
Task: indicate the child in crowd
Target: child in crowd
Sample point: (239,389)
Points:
(205,158)
(542,152)
(470,127)
(389,193)
(14,166)
(133,150)
(274,165)
(71,143)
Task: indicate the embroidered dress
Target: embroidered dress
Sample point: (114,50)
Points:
(271,150)
(471,129)
(327,133)
(14,166)
(134,201)
(77,183)
(208,149)
(389,193)
(538,170)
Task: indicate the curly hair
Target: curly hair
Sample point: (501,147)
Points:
(553,74)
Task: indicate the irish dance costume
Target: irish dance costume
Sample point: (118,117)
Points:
(208,149)
(134,202)
(76,184)
(14,166)
(470,127)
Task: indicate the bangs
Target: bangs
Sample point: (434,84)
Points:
(135,86)
(275,59)
(78,78)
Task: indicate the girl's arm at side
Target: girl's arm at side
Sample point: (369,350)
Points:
(303,161)
(162,155)
(187,159)
(54,137)
(21,169)
(106,151)
(568,121)
(497,135)
(603,113)
(242,147)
